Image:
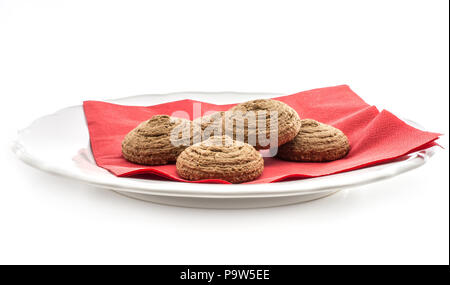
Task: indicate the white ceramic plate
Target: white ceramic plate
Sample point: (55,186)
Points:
(59,143)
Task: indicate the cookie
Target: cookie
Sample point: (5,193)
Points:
(220,157)
(158,141)
(316,142)
(211,125)
(252,123)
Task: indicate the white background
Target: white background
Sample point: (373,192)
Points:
(53,54)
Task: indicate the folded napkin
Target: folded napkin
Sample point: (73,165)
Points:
(374,136)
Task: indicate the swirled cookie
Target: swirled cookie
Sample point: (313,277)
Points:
(158,141)
(211,125)
(316,142)
(262,123)
(220,157)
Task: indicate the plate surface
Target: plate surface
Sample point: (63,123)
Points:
(59,143)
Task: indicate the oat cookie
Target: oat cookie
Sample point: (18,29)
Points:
(316,142)
(273,131)
(158,141)
(220,157)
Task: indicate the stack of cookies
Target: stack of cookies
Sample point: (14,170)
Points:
(225,145)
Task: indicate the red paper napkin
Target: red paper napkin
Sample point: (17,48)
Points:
(374,136)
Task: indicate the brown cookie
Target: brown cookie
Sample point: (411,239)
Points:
(220,157)
(263,123)
(316,142)
(211,125)
(158,141)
